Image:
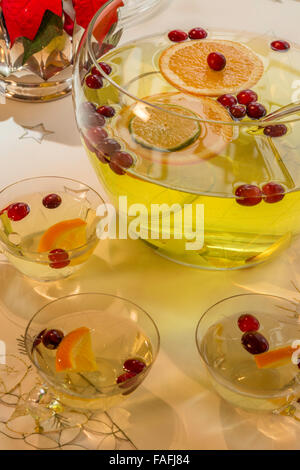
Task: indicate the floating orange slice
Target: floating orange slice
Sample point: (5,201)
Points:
(185,66)
(276,358)
(67,235)
(75,353)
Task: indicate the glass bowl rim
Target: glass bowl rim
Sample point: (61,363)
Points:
(233,123)
(145,11)
(28,341)
(225,299)
(43,256)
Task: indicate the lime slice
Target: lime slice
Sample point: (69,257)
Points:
(163,131)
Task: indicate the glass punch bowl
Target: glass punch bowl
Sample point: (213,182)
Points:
(153,137)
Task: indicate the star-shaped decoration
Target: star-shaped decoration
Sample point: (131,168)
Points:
(37,133)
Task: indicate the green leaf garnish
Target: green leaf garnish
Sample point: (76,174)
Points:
(51,27)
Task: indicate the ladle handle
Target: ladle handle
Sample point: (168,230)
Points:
(284,111)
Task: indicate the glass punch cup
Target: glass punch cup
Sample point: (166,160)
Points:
(92,350)
(250,346)
(177,118)
(48,226)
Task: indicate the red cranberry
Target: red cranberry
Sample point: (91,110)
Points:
(100,155)
(216,61)
(105,47)
(247,96)
(95,71)
(122,159)
(227,100)
(107,111)
(248,195)
(94,81)
(89,144)
(52,338)
(256,110)
(52,201)
(197,33)
(105,67)
(109,146)
(116,169)
(87,107)
(38,339)
(134,365)
(248,322)
(273,192)
(254,342)
(277,130)
(17,211)
(177,35)
(59,258)
(94,120)
(280,45)
(238,111)
(95,135)
(124,378)
(90,118)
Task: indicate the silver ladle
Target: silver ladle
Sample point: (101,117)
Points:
(291,108)
(284,111)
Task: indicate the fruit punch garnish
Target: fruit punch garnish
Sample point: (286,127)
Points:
(75,352)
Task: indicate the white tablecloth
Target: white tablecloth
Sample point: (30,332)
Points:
(175,408)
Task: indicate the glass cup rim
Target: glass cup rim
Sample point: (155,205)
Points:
(28,341)
(235,124)
(225,299)
(43,257)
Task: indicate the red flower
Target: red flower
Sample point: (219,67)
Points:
(111,17)
(23,17)
(86,9)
